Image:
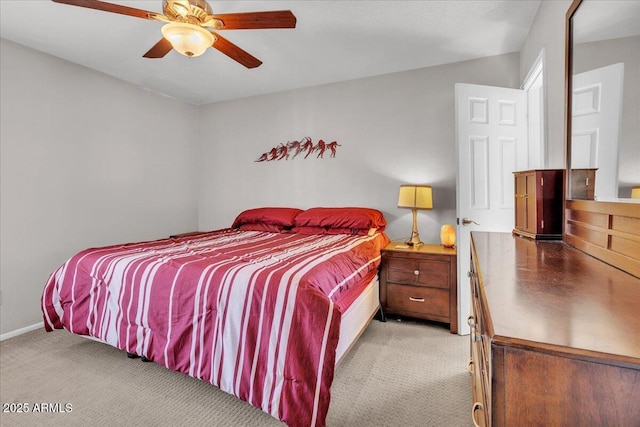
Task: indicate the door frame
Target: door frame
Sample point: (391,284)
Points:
(538,71)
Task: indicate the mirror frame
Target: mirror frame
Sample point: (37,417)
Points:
(568,86)
(568,98)
(601,229)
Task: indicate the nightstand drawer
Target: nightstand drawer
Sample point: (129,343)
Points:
(416,299)
(411,271)
(420,282)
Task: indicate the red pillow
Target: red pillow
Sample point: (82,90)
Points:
(282,217)
(342,218)
(262,227)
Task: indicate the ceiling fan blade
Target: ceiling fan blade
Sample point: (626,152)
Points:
(234,52)
(257,20)
(159,50)
(114,8)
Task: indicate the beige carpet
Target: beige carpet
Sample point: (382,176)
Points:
(398,374)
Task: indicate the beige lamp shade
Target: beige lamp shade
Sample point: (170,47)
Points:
(635,192)
(415,196)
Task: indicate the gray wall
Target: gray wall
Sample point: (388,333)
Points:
(87,160)
(547,31)
(394,129)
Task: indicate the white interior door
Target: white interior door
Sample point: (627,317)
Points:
(595,125)
(491,142)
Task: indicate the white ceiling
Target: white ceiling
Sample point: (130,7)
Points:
(333,41)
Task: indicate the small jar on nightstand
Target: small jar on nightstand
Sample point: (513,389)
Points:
(421,282)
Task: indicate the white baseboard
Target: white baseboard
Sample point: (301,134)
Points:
(21,331)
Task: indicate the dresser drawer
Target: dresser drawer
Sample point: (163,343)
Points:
(478,316)
(418,300)
(409,271)
(479,383)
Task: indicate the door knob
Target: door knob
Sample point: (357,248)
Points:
(467,221)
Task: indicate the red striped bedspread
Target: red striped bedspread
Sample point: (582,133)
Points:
(255,313)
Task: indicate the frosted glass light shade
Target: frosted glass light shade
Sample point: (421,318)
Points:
(188,39)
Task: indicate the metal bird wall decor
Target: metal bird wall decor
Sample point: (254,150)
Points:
(305,146)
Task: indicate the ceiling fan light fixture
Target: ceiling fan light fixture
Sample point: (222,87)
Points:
(188,39)
(181,9)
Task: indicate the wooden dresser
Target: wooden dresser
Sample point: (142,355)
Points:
(420,282)
(538,203)
(555,336)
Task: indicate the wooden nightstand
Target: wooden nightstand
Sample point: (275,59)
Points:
(420,282)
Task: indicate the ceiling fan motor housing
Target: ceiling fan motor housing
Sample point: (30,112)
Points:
(195,12)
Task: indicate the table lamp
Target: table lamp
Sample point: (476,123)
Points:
(415,197)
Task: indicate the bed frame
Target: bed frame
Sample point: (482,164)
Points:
(357,317)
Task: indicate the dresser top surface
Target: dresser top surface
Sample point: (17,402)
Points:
(550,293)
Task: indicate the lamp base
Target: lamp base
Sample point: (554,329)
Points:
(414,240)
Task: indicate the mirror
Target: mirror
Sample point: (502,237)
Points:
(603,83)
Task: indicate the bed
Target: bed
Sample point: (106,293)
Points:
(264,310)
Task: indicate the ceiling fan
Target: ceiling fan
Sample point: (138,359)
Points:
(191,26)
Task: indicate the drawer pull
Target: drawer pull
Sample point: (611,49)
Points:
(416,272)
(476,406)
(470,366)
(471,321)
(414,299)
